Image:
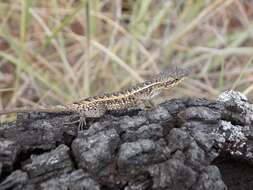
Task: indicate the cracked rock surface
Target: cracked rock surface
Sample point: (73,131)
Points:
(181,144)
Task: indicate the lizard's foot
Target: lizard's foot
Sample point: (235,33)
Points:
(81,123)
(149,104)
(145,104)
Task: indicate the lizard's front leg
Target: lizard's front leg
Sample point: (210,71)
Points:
(144,104)
(144,100)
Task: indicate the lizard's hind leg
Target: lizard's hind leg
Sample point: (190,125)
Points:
(93,113)
(82,123)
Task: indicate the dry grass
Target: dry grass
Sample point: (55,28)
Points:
(53,52)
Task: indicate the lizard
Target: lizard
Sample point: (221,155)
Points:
(135,96)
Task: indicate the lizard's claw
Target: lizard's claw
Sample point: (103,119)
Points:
(82,123)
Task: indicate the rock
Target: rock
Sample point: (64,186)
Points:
(17,180)
(9,151)
(172,174)
(139,154)
(180,144)
(210,179)
(77,180)
(48,165)
(238,110)
(94,152)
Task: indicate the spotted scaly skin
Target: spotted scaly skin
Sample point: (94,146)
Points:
(132,97)
(135,96)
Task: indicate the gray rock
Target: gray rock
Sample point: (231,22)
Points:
(17,180)
(152,131)
(200,113)
(139,154)
(180,144)
(238,110)
(210,179)
(172,174)
(96,151)
(48,165)
(159,114)
(77,180)
(8,153)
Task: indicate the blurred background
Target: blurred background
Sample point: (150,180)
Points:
(57,51)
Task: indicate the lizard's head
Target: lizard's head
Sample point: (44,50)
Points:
(172,76)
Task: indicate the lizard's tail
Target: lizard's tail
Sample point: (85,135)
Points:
(27,110)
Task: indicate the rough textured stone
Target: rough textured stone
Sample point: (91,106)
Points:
(210,179)
(94,152)
(139,154)
(47,165)
(8,153)
(76,180)
(17,180)
(178,145)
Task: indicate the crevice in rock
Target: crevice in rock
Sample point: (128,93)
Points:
(22,158)
(25,156)
(237,174)
(72,158)
(5,172)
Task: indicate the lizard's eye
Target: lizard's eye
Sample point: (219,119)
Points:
(176,81)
